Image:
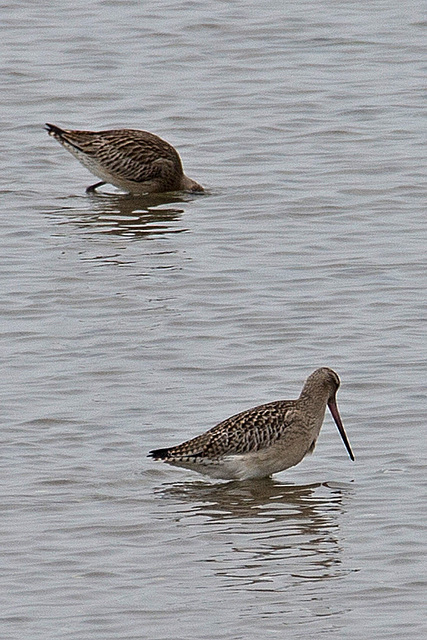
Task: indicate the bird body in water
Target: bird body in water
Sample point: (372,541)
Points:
(264,440)
(136,161)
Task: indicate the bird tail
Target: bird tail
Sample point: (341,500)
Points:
(159,454)
(53,130)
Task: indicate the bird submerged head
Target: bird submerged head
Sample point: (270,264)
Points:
(187,184)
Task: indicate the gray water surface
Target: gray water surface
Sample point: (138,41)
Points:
(129,324)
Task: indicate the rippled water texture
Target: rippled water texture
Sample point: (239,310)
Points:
(129,324)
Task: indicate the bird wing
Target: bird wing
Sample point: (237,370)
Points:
(250,430)
(130,154)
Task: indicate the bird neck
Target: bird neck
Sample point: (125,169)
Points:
(313,399)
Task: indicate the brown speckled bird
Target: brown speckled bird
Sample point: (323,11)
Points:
(136,161)
(264,440)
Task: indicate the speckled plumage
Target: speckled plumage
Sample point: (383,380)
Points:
(136,161)
(264,440)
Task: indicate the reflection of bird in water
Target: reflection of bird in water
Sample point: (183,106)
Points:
(264,440)
(263,520)
(136,161)
(264,498)
(122,214)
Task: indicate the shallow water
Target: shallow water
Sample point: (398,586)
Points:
(133,323)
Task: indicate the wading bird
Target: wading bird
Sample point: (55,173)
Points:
(136,161)
(264,440)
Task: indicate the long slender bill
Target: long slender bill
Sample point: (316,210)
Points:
(336,416)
